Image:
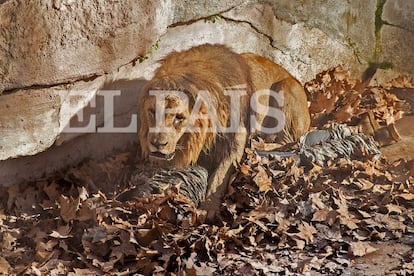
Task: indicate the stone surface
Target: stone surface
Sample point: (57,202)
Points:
(189,10)
(397,48)
(45,128)
(301,50)
(399,13)
(50,42)
(31,120)
(304,51)
(352,22)
(28,123)
(47,116)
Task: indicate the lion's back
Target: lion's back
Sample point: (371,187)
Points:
(207,64)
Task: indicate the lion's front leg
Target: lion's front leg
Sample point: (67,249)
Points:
(219,179)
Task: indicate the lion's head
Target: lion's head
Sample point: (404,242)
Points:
(169,136)
(175,128)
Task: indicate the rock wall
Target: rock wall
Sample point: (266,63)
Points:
(56,54)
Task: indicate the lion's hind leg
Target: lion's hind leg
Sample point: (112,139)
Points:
(290,99)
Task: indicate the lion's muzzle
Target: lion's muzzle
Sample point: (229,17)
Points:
(161,148)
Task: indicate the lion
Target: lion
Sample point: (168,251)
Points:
(191,131)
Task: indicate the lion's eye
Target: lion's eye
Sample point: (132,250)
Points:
(178,119)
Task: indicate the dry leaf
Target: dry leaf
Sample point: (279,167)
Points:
(262,180)
(360,248)
(393,208)
(321,215)
(364,184)
(306,232)
(5,267)
(406,196)
(68,207)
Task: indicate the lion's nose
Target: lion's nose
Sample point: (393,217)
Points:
(158,143)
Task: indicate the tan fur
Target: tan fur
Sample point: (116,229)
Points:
(214,68)
(191,71)
(266,74)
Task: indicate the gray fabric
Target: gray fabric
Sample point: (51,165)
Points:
(321,146)
(341,144)
(192,181)
(315,137)
(144,181)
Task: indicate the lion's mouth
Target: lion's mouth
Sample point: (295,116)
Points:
(163,156)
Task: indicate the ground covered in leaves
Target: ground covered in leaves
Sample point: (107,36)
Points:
(349,217)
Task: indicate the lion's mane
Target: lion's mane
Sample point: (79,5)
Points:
(211,68)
